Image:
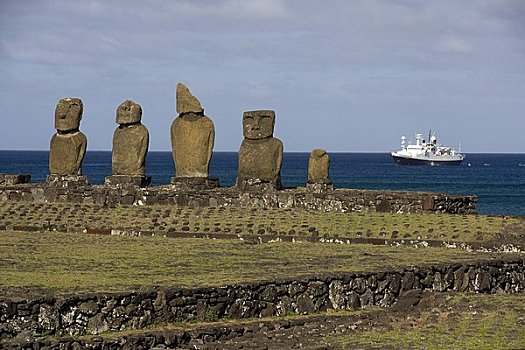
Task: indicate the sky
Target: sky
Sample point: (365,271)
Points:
(347,76)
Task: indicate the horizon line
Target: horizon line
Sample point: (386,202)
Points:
(236,151)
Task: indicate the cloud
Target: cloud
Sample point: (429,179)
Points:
(165,14)
(376,58)
(453,44)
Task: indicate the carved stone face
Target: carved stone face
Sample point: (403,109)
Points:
(129,112)
(68,114)
(258,124)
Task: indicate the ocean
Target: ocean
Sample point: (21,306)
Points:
(497,179)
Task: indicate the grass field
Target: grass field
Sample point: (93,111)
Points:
(68,263)
(71,262)
(460,321)
(445,227)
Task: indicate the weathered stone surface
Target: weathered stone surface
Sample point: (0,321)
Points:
(72,182)
(186,102)
(257,125)
(191,183)
(14,179)
(127,180)
(260,155)
(260,159)
(318,167)
(68,114)
(74,189)
(130,141)
(68,145)
(259,185)
(66,153)
(128,112)
(95,313)
(192,137)
(319,187)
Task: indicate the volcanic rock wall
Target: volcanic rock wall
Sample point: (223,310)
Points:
(330,200)
(96,313)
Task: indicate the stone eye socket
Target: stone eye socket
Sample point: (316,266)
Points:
(249,119)
(73,108)
(62,109)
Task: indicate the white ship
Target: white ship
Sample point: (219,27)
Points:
(423,153)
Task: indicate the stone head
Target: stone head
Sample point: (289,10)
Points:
(68,114)
(258,124)
(186,102)
(129,112)
(318,153)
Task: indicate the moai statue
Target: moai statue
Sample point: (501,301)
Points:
(261,154)
(68,145)
(192,138)
(318,166)
(130,146)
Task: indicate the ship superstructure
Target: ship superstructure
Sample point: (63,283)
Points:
(423,153)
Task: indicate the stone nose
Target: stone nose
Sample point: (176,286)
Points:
(256,124)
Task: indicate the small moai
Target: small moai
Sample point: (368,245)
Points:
(130,146)
(261,154)
(192,139)
(318,170)
(68,145)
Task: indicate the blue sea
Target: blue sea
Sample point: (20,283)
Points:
(497,179)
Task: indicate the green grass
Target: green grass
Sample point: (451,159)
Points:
(161,219)
(461,322)
(71,262)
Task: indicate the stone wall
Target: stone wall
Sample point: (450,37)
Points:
(210,338)
(331,200)
(93,314)
(14,179)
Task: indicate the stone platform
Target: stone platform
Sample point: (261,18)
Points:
(127,180)
(194,183)
(258,185)
(14,179)
(66,181)
(77,190)
(320,187)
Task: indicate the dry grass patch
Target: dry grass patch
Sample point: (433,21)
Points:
(69,262)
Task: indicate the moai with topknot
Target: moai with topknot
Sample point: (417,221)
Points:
(318,170)
(192,139)
(130,146)
(261,154)
(68,145)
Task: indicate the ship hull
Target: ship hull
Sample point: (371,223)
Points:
(416,161)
